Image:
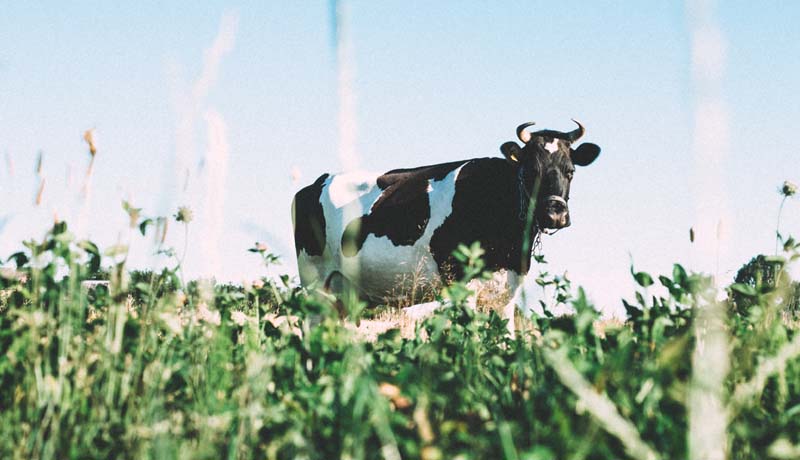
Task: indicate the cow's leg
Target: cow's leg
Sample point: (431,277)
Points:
(514,290)
(504,286)
(336,284)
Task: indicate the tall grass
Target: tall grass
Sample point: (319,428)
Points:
(150,366)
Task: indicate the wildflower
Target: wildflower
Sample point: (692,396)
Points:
(133,213)
(180,298)
(51,387)
(389,390)
(204,314)
(161,427)
(218,422)
(239,318)
(788,189)
(392,392)
(258,283)
(88,136)
(184,214)
(173,322)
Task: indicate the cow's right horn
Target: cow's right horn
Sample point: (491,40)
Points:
(523,135)
(576,134)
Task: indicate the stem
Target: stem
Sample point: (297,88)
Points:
(179,267)
(778,225)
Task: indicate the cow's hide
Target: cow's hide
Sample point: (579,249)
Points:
(382,231)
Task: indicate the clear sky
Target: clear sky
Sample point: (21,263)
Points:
(244,96)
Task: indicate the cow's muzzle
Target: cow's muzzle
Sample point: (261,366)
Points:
(555,212)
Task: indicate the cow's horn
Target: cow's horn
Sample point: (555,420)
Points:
(523,135)
(576,134)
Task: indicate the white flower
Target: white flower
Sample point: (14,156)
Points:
(204,314)
(173,322)
(239,318)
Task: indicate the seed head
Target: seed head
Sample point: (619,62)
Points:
(88,136)
(788,189)
(184,214)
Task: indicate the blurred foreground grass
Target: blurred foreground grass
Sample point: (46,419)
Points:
(150,366)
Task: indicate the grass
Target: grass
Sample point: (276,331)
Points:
(153,366)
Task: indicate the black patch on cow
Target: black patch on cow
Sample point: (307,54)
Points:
(486,210)
(403,210)
(308,219)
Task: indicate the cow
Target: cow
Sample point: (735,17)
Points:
(372,231)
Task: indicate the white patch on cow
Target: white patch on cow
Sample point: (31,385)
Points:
(349,187)
(553,146)
(388,264)
(350,195)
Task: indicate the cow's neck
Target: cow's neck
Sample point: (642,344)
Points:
(531,233)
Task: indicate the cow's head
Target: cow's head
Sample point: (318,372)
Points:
(546,162)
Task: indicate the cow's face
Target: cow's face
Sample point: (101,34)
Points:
(546,165)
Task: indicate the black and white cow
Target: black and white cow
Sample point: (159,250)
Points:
(374,230)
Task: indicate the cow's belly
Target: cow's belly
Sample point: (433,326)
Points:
(384,271)
(381,271)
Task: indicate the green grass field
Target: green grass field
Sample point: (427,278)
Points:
(153,366)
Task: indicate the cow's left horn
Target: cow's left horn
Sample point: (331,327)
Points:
(523,135)
(576,134)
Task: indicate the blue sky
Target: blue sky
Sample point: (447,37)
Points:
(432,82)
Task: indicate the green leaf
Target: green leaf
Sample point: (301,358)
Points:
(640,299)
(58,228)
(780,260)
(143,287)
(643,279)
(144,224)
(678,274)
(19,258)
(744,289)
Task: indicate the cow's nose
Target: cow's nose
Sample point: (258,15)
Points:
(557,212)
(556,205)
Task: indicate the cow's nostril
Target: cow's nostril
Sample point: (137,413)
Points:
(557,207)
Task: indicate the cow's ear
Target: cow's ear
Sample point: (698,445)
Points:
(585,154)
(511,151)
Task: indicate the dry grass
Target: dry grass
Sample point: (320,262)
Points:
(412,289)
(370,329)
